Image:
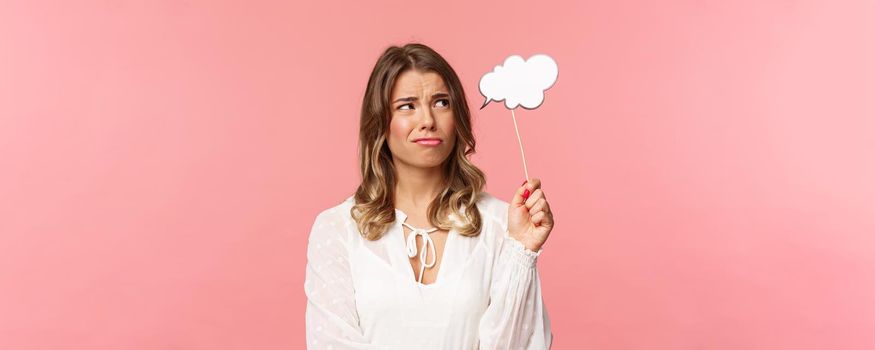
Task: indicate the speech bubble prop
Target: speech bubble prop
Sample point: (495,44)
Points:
(519,83)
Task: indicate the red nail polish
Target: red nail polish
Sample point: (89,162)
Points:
(526,194)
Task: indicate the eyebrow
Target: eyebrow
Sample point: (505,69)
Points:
(413,98)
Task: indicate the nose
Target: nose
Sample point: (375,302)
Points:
(427,121)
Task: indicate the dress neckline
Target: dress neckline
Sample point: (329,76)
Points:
(410,240)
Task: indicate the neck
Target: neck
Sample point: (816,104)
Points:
(416,187)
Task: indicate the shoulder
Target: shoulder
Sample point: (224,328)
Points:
(336,212)
(336,219)
(493,212)
(332,222)
(492,207)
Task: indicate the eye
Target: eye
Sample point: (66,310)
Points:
(401,107)
(446,102)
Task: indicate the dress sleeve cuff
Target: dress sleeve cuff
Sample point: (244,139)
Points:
(519,253)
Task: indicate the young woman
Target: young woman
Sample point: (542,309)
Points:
(420,257)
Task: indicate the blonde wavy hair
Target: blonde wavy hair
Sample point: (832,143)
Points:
(374,208)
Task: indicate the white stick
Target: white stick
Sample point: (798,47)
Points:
(525,168)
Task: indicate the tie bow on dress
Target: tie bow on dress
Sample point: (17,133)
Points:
(427,243)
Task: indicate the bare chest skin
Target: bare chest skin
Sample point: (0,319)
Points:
(439,237)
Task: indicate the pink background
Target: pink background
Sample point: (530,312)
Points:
(710,165)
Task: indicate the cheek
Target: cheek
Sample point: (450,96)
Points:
(450,127)
(399,130)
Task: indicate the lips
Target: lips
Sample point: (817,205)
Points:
(428,141)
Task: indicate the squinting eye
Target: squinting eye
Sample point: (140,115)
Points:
(406,104)
(446,102)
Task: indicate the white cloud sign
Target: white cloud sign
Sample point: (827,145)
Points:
(519,82)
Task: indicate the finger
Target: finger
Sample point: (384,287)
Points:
(538,218)
(538,206)
(531,185)
(534,184)
(518,196)
(548,219)
(538,194)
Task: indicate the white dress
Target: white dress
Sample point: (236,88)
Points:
(363,294)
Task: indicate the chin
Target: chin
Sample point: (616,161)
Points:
(429,163)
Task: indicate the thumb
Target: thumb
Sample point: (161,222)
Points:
(519,198)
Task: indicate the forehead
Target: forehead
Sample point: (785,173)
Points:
(413,82)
